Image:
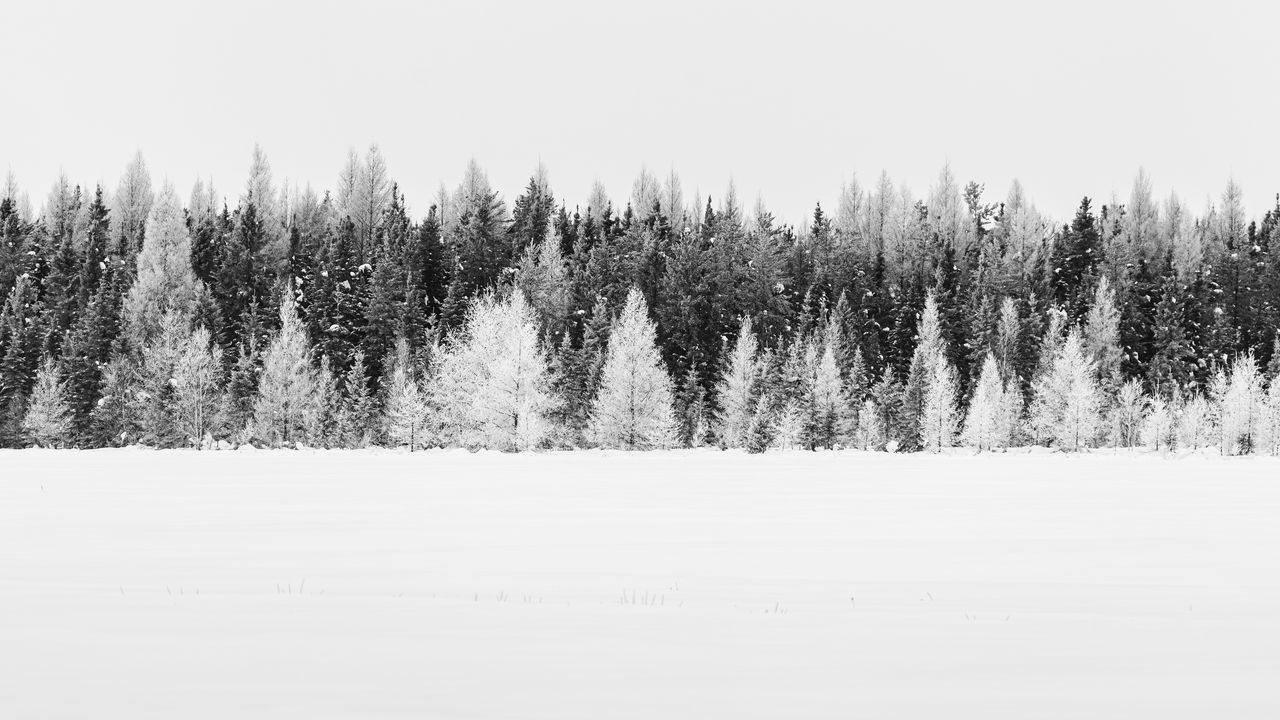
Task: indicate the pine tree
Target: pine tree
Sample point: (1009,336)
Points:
(48,419)
(633,410)
(288,388)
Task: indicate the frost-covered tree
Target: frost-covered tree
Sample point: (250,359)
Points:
(1239,396)
(1159,429)
(261,193)
(1102,334)
(984,421)
(940,418)
(154,409)
(829,414)
(544,279)
(197,392)
(633,410)
(48,418)
(869,432)
(736,391)
(789,427)
(1128,409)
(1269,435)
(165,282)
(1066,400)
(1195,423)
(357,410)
(131,204)
(1008,348)
(493,379)
(406,407)
(289,386)
(369,198)
(924,360)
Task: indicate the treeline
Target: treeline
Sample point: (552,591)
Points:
(341,320)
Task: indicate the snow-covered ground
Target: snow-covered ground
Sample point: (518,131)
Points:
(138,584)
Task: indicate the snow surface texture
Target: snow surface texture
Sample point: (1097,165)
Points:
(688,584)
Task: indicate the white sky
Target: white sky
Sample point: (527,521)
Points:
(788,98)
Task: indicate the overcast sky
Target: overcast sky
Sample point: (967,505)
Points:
(787,98)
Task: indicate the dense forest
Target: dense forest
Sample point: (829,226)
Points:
(287,317)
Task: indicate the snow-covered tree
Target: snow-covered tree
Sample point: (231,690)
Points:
(131,204)
(48,418)
(1008,340)
(1066,403)
(736,391)
(544,279)
(356,409)
(869,433)
(165,281)
(929,347)
(197,392)
(154,408)
(289,387)
(1269,433)
(941,417)
(1102,334)
(1239,397)
(406,408)
(633,410)
(1195,423)
(985,419)
(1128,408)
(829,419)
(493,379)
(1159,429)
(789,427)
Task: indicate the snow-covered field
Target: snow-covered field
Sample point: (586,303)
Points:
(138,584)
